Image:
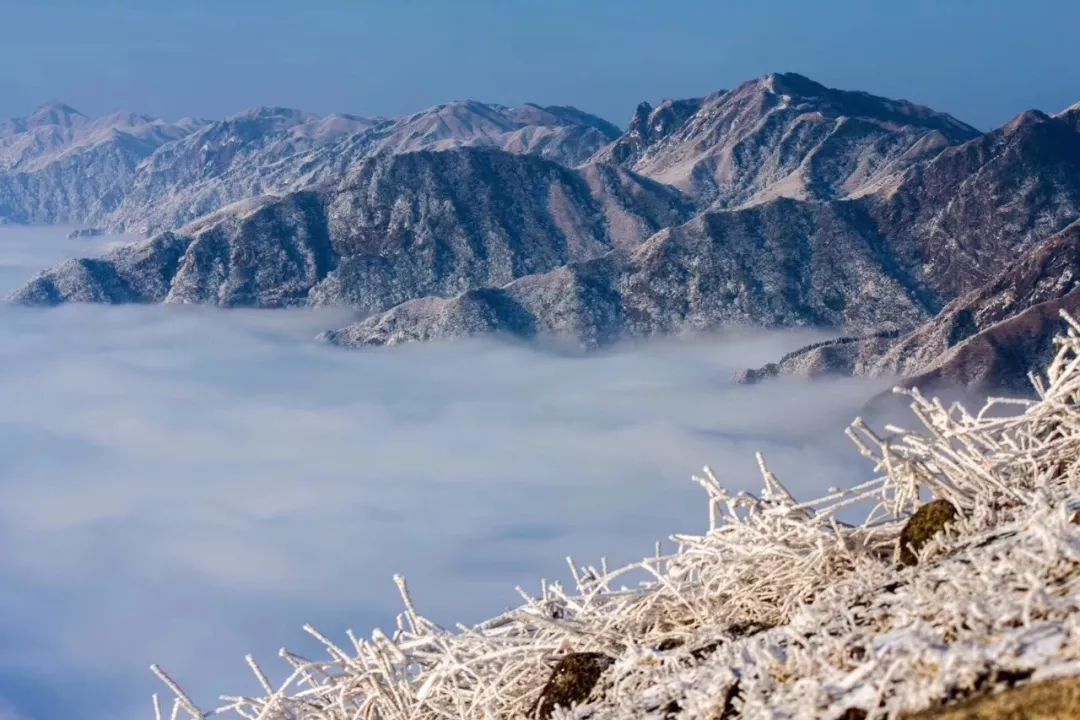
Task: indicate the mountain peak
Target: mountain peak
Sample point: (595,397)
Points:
(55,112)
(790,83)
(1025,119)
(1071,112)
(272,112)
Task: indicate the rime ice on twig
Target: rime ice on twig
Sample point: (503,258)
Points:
(779,610)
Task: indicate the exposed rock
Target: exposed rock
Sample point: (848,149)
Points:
(928,521)
(649,127)
(1057,699)
(571,682)
(88,232)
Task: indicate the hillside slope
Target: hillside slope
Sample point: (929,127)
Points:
(880,263)
(398,226)
(782,135)
(987,339)
(138,174)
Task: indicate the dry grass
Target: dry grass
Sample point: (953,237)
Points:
(779,610)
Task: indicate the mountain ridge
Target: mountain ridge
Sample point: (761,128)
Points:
(925,251)
(779,203)
(195,167)
(780,136)
(398,225)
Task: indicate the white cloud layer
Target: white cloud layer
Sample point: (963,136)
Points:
(185,485)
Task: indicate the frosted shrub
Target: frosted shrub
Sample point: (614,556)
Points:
(779,610)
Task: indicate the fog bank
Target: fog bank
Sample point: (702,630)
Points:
(185,485)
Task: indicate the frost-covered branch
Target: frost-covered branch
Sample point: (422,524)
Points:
(779,609)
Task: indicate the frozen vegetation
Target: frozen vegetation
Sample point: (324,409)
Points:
(961,581)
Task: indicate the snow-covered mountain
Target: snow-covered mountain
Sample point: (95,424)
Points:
(780,264)
(780,203)
(989,338)
(248,154)
(271,151)
(782,135)
(397,226)
(563,134)
(136,173)
(57,165)
(878,264)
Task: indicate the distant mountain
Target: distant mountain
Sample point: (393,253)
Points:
(398,226)
(138,174)
(273,151)
(880,263)
(563,134)
(782,135)
(779,203)
(957,218)
(224,162)
(57,165)
(53,114)
(1071,116)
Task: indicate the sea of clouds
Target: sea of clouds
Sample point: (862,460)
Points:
(185,485)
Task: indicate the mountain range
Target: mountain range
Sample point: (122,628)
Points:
(942,252)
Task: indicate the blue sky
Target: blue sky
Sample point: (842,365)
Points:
(982,61)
